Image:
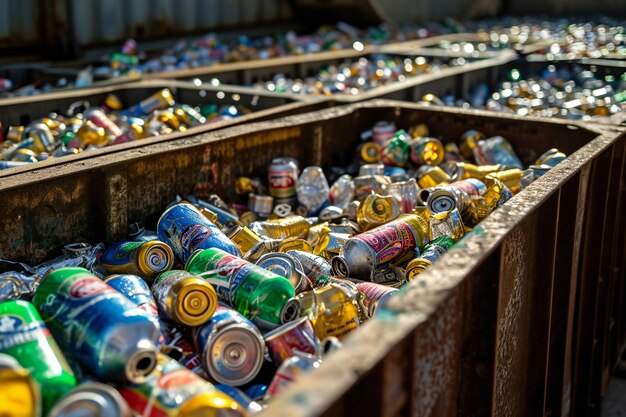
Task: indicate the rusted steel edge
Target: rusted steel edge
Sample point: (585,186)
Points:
(317,392)
(278,111)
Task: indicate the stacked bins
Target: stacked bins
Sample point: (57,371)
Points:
(411,89)
(23,110)
(503,324)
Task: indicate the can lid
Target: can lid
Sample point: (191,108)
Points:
(92,399)
(290,311)
(196,303)
(155,257)
(142,362)
(340,266)
(235,354)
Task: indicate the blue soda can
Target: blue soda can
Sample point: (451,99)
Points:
(496,150)
(241,398)
(256,392)
(223,216)
(186,230)
(108,334)
(230,347)
(137,291)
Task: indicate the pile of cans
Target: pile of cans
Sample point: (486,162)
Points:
(222,306)
(84,127)
(566,91)
(354,77)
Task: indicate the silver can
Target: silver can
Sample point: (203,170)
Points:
(93,399)
(282,179)
(286,266)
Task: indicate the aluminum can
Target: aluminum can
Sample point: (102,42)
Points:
(550,158)
(397,150)
(290,226)
(282,179)
(432,176)
(465,170)
(285,340)
(113,131)
(184,298)
(365,252)
(186,230)
(446,223)
(146,259)
(369,152)
(496,150)
(428,151)
(290,244)
(286,266)
(100,399)
(512,178)
(468,142)
(258,294)
(332,309)
(103,329)
(291,370)
(20,396)
(174,391)
(313,266)
(137,291)
(382,132)
(453,196)
(377,210)
(158,101)
(230,347)
(431,253)
(25,337)
(243,237)
(375,295)
(261,204)
(43,139)
(330,244)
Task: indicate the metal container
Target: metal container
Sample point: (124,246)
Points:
(539,282)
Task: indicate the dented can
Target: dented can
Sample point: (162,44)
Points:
(147,259)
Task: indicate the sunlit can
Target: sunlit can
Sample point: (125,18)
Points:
(100,119)
(455,195)
(465,170)
(377,210)
(15,134)
(332,309)
(329,244)
(285,340)
(426,150)
(511,178)
(365,252)
(104,330)
(290,244)
(282,179)
(186,230)
(551,158)
(43,140)
(100,399)
(243,237)
(174,391)
(230,346)
(159,100)
(375,295)
(147,259)
(184,298)
(431,176)
(290,226)
(431,253)
(88,134)
(468,142)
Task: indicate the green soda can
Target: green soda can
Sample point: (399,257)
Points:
(24,336)
(260,295)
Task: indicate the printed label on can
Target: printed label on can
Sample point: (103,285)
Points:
(121,253)
(282,184)
(389,241)
(86,287)
(14,331)
(193,236)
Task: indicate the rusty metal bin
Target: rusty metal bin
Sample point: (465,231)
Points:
(514,320)
(264,106)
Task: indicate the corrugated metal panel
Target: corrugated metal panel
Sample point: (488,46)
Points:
(18,20)
(105,21)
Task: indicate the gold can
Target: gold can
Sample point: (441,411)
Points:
(316,231)
(24,155)
(468,142)
(465,170)
(113,102)
(90,134)
(432,176)
(333,310)
(423,212)
(426,150)
(330,244)
(243,186)
(295,244)
(290,226)
(376,210)
(369,152)
(419,131)
(244,238)
(511,178)
(20,396)
(15,134)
